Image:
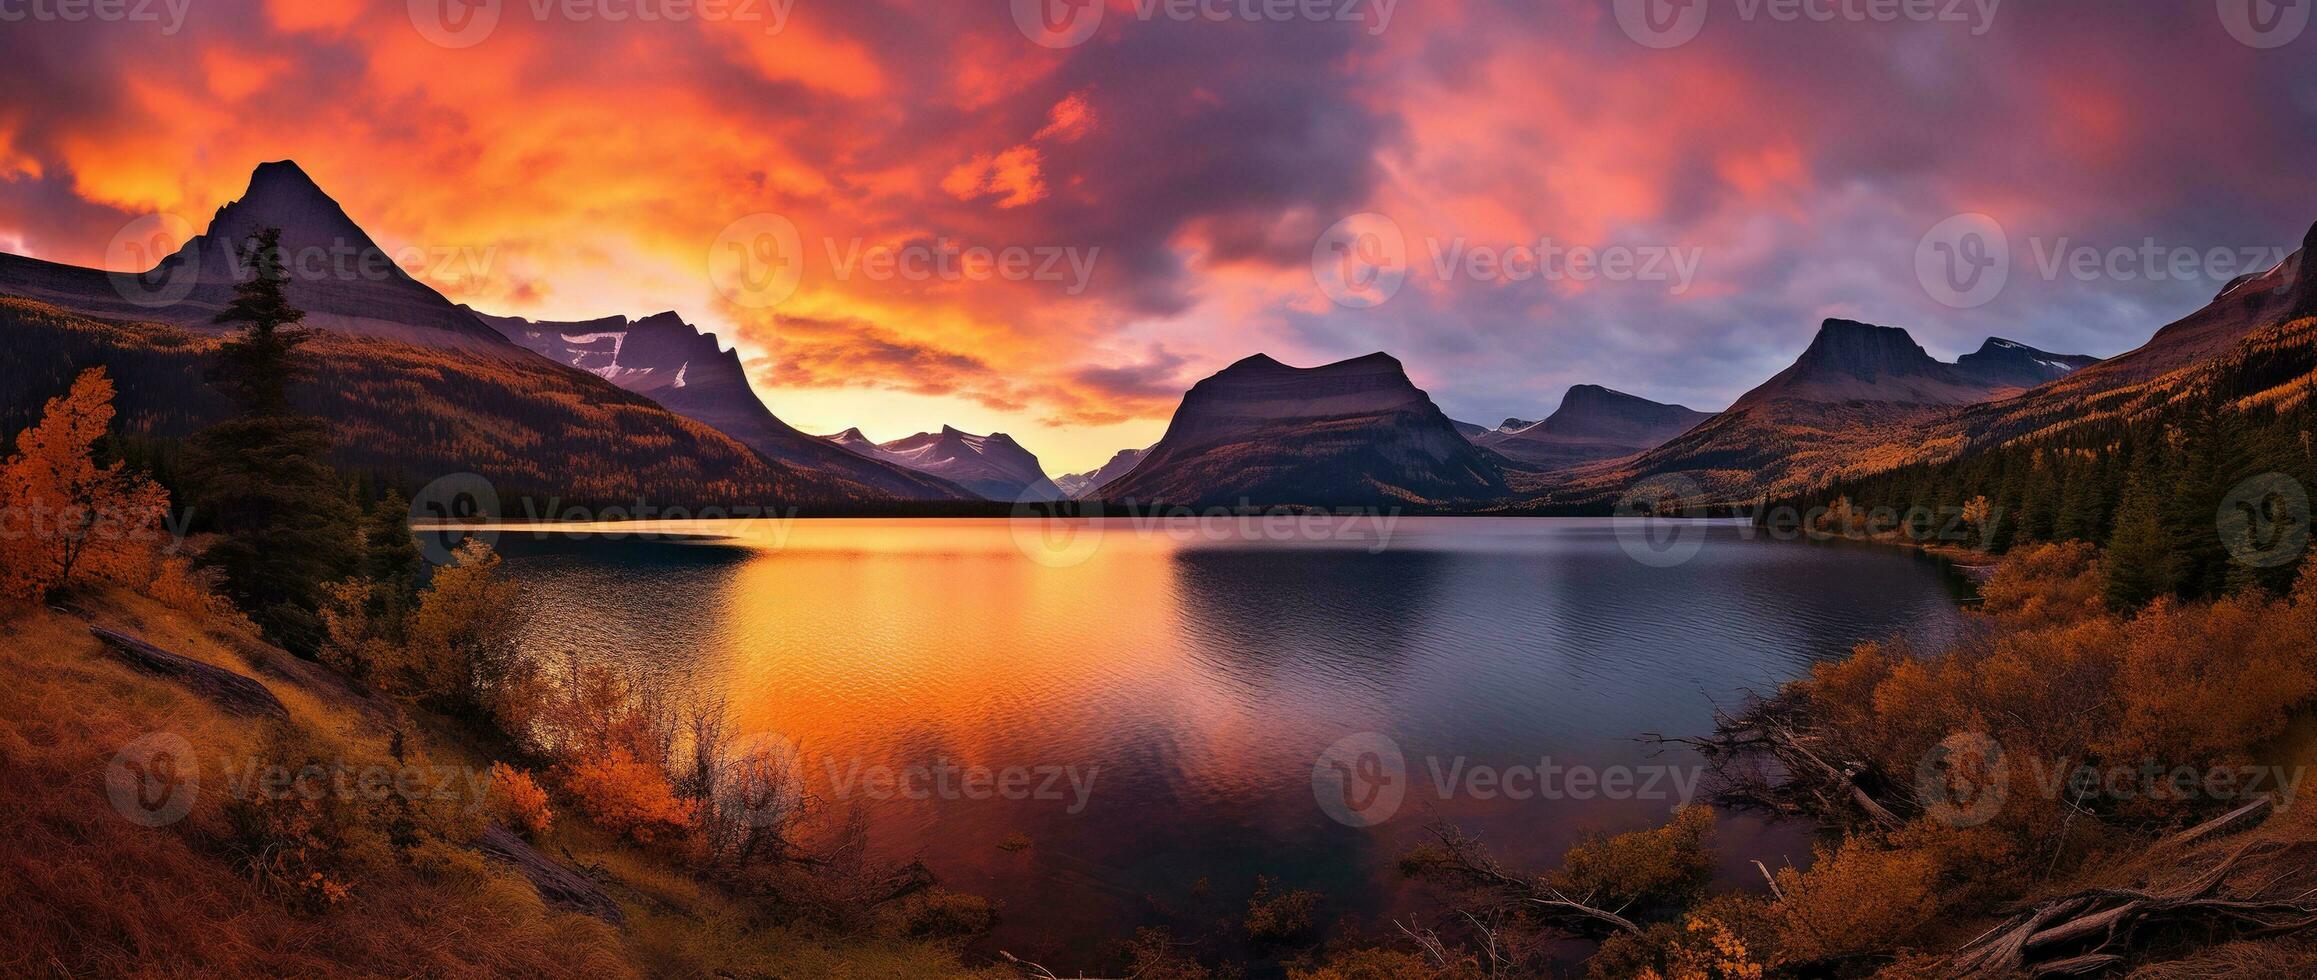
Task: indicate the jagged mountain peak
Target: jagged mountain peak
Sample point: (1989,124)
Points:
(992,466)
(280,195)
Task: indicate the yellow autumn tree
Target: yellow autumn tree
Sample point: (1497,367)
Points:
(461,648)
(63,517)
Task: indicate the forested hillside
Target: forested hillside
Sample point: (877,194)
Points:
(2172,475)
(413,414)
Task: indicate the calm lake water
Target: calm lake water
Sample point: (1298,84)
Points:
(1159,712)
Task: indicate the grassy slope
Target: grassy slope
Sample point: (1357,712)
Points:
(86,892)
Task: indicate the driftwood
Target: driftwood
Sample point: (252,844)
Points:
(2093,930)
(907,880)
(1813,776)
(2220,826)
(1464,862)
(557,885)
(228,690)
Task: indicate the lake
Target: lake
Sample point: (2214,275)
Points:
(1107,725)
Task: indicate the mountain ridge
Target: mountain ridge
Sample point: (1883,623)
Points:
(690,371)
(992,467)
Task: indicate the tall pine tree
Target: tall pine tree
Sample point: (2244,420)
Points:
(2141,562)
(260,478)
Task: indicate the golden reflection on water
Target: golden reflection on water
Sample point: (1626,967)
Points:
(1194,681)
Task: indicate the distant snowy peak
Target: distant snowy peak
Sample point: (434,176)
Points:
(993,466)
(1851,362)
(1088,484)
(657,352)
(690,372)
(2010,364)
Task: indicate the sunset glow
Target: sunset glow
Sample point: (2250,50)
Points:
(570,165)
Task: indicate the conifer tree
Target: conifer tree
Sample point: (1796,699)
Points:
(2140,560)
(260,478)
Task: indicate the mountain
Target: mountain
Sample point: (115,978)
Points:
(2001,363)
(415,386)
(1856,401)
(1088,484)
(546,437)
(344,281)
(1858,362)
(1593,423)
(2126,384)
(690,371)
(1356,433)
(993,466)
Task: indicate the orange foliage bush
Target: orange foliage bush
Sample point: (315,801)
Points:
(518,802)
(1859,898)
(625,796)
(1663,867)
(2203,685)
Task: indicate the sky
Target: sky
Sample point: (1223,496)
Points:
(1051,217)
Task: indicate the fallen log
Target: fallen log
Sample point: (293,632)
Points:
(2095,929)
(228,690)
(1463,861)
(2228,823)
(557,885)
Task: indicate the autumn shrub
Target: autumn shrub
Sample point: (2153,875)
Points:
(355,640)
(518,802)
(1701,948)
(2046,584)
(1280,916)
(1377,964)
(940,912)
(1857,898)
(626,796)
(2202,685)
(1662,868)
(461,646)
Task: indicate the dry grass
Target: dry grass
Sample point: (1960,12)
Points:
(85,891)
